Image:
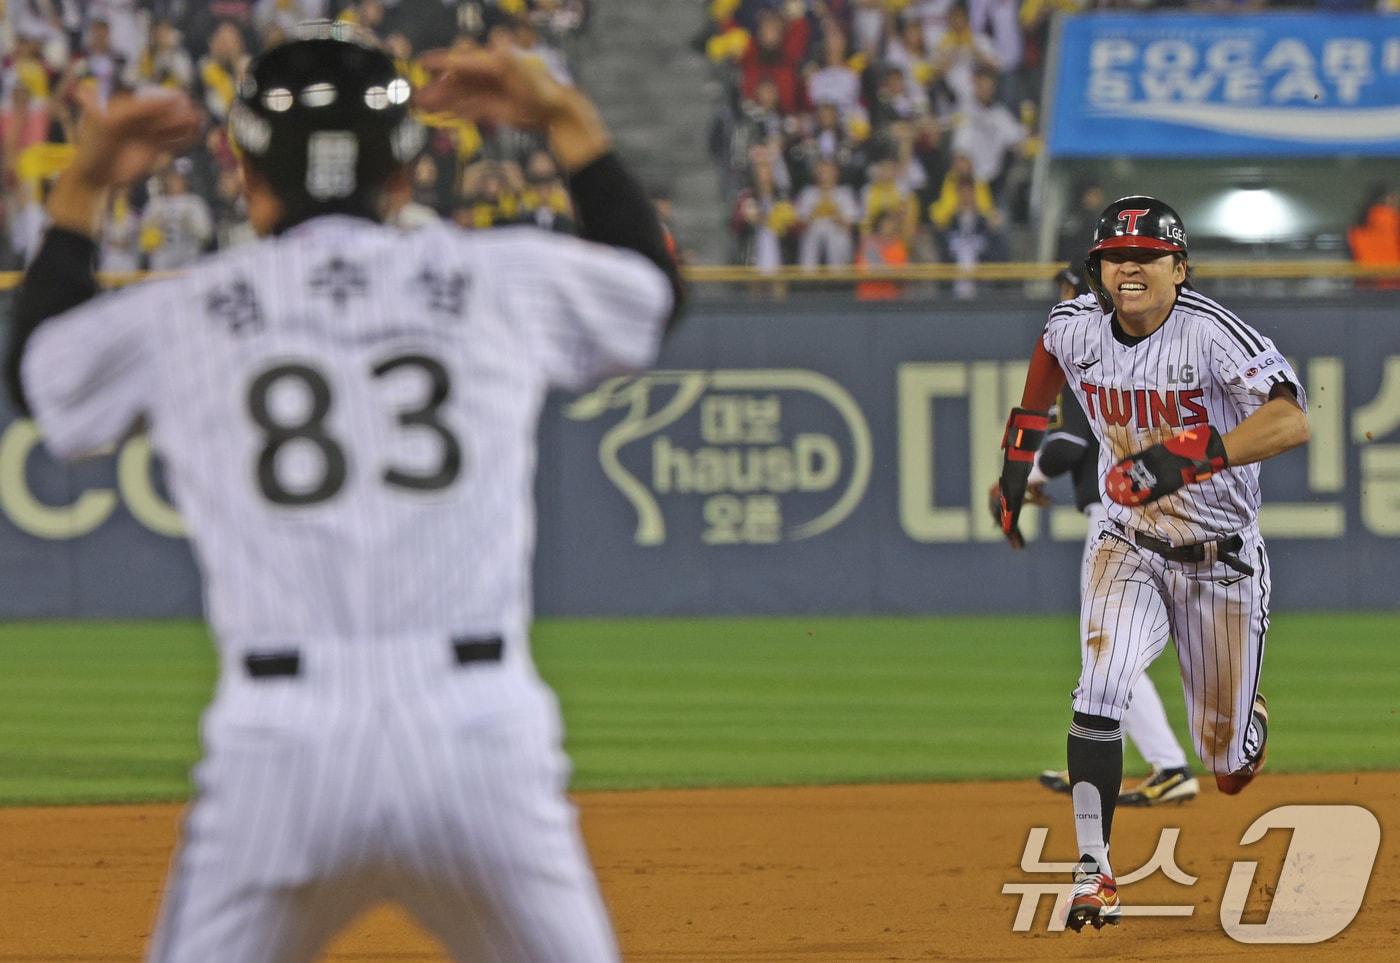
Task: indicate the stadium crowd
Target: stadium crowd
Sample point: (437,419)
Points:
(891,131)
(52,47)
(878,132)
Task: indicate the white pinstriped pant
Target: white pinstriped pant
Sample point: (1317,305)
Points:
(376,776)
(1145,718)
(1135,599)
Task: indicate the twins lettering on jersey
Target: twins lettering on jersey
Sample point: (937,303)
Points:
(1144,408)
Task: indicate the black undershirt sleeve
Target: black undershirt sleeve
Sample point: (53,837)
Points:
(62,275)
(613,209)
(1069,442)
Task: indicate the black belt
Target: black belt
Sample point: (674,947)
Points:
(287,662)
(1226,549)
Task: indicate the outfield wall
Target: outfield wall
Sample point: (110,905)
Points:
(813,455)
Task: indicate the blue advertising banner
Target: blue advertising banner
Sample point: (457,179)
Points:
(803,457)
(1167,85)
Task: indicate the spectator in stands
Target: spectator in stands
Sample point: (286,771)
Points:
(1077,227)
(25,67)
(231,224)
(666,214)
(959,53)
(827,211)
(25,217)
(490,190)
(885,246)
(126,20)
(775,52)
(909,51)
(835,82)
(220,68)
(831,138)
(895,102)
(884,194)
(556,19)
(98,64)
(176,224)
(544,201)
(945,207)
(998,21)
(529,43)
(986,130)
(872,22)
(1037,16)
(405,212)
(764,220)
(163,62)
(367,13)
(932,17)
(121,236)
(23,123)
(1374,237)
(971,237)
(929,147)
(284,15)
(760,123)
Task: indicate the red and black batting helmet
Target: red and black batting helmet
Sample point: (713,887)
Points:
(1138,223)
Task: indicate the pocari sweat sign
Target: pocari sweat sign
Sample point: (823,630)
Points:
(1163,85)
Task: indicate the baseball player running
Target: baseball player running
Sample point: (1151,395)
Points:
(1185,400)
(348,415)
(1070,448)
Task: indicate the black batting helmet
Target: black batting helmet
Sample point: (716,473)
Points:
(1074,277)
(325,119)
(1139,223)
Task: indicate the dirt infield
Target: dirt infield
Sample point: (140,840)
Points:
(911,872)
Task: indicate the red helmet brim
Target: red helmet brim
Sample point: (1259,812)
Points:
(1135,241)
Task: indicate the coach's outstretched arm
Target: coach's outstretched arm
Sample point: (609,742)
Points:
(499,86)
(128,140)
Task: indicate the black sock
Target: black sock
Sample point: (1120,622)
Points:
(1095,754)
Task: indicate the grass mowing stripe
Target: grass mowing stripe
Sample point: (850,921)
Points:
(95,712)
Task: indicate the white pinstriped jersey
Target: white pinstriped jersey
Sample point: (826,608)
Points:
(1203,366)
(347,413)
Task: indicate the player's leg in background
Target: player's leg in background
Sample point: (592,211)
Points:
(1123,627)
(1220,619)
(491,859)
(1145,723)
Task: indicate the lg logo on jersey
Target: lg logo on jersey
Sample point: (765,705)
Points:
(1185,376)
(1320,888)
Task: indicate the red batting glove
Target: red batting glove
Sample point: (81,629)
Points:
(1184,459)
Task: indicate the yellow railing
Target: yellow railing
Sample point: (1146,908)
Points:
(1010,271)
(1034,271)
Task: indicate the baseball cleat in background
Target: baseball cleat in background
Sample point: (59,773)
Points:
(1233,783)
(1094,898)
(1056,780)
(1162,786)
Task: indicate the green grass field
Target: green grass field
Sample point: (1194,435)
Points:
(100,712)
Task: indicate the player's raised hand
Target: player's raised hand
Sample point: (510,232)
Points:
(1191,456)
(132,136)
(499,85)
(496,85)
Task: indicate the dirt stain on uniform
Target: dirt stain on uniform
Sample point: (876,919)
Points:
(1096,641)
